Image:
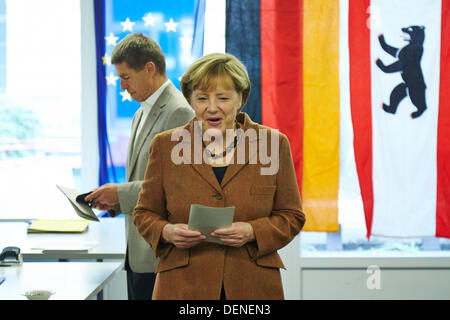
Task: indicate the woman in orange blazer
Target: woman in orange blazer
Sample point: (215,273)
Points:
(254,173)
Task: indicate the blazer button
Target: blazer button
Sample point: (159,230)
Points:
(218,196)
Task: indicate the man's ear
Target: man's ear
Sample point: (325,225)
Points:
(150,67)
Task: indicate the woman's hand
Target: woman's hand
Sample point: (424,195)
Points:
(179,235)
(238,234)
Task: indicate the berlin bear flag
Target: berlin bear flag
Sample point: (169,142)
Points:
(400,104)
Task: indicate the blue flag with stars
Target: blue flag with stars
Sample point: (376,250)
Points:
(172,25)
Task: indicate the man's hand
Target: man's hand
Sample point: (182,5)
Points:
(238,234)
(104,197)
(179,235)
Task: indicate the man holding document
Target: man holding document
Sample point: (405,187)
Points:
(141,66)
(220,195)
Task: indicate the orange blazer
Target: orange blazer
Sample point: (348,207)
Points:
(270,203)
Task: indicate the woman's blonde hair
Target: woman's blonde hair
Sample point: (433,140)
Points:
(204,73)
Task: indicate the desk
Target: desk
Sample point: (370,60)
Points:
(70,281)
(109,234)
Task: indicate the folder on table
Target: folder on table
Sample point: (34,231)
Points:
(58,226)
(82,209)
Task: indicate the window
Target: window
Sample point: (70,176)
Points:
(40,107)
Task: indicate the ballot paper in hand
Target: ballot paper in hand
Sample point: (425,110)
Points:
(207,219)
(83,210)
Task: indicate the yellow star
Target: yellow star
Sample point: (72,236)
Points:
(106,59)
(127,25)
(111,79)
(186,41)
(111,39)
(125,96)
(171,25)
(149,20)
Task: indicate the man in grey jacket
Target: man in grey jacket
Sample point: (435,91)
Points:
(140,64)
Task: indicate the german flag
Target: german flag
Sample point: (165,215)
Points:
(296,89)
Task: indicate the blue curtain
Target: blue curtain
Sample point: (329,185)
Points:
(178,27)
(103,141)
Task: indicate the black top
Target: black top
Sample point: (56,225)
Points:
(219,172)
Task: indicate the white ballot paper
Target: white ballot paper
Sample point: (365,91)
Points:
(83,210)
(207,219)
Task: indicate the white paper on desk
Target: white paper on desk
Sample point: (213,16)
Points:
(83,210)
(207,219)
(64,246)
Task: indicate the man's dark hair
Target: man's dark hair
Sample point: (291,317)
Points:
(136,50)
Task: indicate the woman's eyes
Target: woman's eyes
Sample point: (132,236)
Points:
(205,98)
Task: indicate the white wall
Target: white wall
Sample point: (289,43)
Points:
(375,278)
(116,289)
(291,276)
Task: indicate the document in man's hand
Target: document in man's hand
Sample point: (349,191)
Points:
(207,219)
(82,209)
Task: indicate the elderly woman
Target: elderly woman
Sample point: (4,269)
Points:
(268,212)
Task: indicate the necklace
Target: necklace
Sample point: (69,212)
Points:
(227,149)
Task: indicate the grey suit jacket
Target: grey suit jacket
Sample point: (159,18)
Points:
(170,110)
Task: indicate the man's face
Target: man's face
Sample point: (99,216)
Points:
(137,83)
